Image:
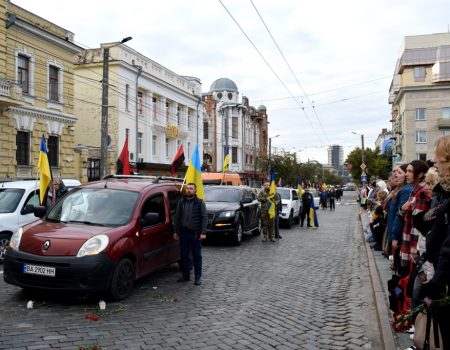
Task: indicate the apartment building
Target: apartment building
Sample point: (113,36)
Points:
(36,94)
(156,108)
(420,96)
(233,123)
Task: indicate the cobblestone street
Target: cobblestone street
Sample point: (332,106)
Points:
(310,290)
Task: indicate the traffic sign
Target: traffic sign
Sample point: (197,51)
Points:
(363,166)
(363,178)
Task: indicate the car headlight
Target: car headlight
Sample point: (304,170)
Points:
(226,214)
(14,242)
(93,246)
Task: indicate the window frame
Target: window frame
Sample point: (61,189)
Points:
(234,154)
(418,114)
(420,73)
(24,149)
(443,114)
(53,143)
(235,127)
(419,139)
(20,69)
(53,83)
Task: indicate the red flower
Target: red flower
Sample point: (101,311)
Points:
(94,318)
(87,316)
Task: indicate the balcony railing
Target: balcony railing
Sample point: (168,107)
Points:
(11,90)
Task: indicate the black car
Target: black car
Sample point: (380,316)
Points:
(232,212)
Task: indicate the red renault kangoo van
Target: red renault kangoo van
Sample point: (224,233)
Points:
(98,238)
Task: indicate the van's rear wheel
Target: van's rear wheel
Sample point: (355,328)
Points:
(122,281)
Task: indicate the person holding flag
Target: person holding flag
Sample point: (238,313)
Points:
(307,204)
(268,211)
(190,221)
(45,175)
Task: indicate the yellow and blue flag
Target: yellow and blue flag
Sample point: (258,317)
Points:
(226,160)
(45,175)
(313,216)
(299,189)
(272,193)
(194,173)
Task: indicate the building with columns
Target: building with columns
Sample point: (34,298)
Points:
(231,122)
(158,109)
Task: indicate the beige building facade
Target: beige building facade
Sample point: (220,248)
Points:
(36,95)
(420,96)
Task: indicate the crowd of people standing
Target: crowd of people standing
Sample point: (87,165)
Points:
(409,225)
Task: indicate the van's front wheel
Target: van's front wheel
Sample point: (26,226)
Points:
(122,281)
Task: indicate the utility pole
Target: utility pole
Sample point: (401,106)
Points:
(104,122)
(226,134)
(362,146)
(104,126)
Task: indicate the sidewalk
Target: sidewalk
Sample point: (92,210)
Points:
(380,273)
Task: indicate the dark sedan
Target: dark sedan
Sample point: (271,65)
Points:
(232,211)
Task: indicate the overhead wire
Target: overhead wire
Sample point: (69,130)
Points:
(292,72)
(268,65)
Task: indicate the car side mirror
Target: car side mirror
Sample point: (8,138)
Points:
(28,209)
(150,219)
(39,211)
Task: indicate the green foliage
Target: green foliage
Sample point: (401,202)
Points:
(287,167)
(377,165)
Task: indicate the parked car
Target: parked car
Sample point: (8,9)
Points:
(292,206)
(232,212)
(100,237)
(15,196)
(71,183)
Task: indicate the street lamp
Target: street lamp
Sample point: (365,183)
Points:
(104,122)
(362,154)
(270,151)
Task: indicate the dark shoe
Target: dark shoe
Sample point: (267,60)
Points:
(264,239)
(183,279)
(198,281)
(272,240)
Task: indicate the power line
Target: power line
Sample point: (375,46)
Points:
(290,69)
(268,65)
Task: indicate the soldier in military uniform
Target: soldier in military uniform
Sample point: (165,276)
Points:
(268,223)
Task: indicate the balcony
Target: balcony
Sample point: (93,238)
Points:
(10,94)
(443,123)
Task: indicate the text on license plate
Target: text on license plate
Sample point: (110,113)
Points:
(39,270)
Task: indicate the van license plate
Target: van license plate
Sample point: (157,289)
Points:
(39,270)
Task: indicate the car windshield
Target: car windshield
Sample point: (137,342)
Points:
(9,199)
(284,193)
(225,194)
(102,207)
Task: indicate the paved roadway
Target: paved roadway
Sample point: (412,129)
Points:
(311,290)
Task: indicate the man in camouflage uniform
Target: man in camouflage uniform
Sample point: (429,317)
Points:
(268,223)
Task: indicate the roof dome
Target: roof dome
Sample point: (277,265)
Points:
(223,84)
(262,108)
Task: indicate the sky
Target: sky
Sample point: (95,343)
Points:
(331,78)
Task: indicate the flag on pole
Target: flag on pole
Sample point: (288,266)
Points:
(194,173)
(272,192)
(178,160)
(226,160)
(45,176)
(123,163)
(300,188)
(313,216)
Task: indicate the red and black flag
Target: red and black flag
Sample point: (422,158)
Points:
(178,160)
(123,163)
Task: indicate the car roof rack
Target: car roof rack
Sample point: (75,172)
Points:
(155,179)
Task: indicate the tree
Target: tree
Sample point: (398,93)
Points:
(377,164)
